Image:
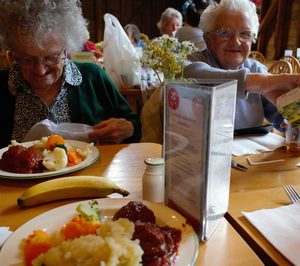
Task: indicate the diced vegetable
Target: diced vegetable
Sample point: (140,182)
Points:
(90,212)
(37,243)
(55,160)
(54,140)
(78,226)
(73,157)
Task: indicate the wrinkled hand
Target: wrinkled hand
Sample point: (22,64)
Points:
(112,130)
(271,86)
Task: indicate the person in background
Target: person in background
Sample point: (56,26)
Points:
(170,21)
(229,29)
(133,34)
(42,83)
(190,30)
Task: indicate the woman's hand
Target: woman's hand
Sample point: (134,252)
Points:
(112,130)
(271,86)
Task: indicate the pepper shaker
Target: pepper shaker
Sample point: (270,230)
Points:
(153,180)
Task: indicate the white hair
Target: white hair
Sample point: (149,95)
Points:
(210,14)
(35,20)
(166,15)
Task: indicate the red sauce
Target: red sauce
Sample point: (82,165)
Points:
(160,244)
(19,159)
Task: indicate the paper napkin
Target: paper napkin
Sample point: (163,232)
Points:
(72,131)
(281,227)
(248,144)
(4,234)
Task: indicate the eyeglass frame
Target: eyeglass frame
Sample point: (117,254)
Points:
(232,32)
(32,60)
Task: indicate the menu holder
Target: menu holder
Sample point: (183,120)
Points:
(198,137)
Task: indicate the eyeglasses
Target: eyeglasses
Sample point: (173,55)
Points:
(227,34)
(32,60)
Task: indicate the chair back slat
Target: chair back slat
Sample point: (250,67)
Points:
(280,66)
(257,56)
(294,63)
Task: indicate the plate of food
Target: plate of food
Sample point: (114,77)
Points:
(142,223)
(47,157)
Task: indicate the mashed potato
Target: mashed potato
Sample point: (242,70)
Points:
(112,246)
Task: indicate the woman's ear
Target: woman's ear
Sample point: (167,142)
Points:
(9,57)
(207,38)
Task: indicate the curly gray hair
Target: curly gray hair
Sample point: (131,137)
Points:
(210,14)
(35,20)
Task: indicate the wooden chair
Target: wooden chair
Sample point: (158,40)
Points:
(280,66)
(134,98)
(257,56)
(294,62)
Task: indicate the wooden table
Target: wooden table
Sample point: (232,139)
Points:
(124,165)
(260,187)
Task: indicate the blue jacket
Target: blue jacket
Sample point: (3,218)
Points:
(251,109)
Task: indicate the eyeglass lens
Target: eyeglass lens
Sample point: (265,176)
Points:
(244,36)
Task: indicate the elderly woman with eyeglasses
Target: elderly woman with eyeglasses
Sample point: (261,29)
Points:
(42,83)
(229,29)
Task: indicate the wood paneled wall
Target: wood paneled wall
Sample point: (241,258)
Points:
(143,13)
(280,25)
(280,28)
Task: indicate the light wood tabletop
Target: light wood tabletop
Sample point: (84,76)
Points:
(260,187)
(124,164)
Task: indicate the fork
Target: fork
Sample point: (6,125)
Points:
(292,193)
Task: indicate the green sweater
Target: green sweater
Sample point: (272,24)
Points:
(94,100)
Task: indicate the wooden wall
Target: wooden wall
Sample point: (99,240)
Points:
(280,28)
(143,13)
(280,21)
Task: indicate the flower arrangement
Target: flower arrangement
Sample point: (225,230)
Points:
(167,55)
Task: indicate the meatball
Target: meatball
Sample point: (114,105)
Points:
(19,159)
(160,244)
(135,211)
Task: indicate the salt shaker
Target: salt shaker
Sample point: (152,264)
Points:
(153,180)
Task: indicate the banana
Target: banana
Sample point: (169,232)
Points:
(68,188)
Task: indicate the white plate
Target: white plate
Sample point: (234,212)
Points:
(52,220)
(91,158)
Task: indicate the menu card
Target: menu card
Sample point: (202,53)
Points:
(198,136)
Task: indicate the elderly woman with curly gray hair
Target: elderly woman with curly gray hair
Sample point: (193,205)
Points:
(42,83)
(170,21)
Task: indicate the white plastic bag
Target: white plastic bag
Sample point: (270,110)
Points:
(121,61)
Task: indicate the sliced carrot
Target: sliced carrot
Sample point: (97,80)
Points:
(35,244)
(73,157)
(78,226)
(40,241)
(54,140)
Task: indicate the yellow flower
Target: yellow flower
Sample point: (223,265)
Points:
(167,55)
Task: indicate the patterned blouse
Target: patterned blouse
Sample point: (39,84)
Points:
(31,109)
